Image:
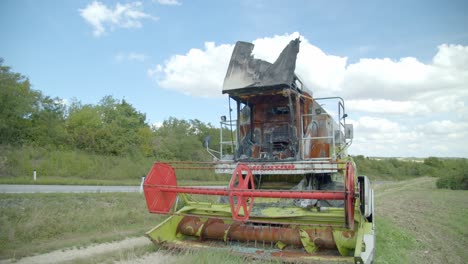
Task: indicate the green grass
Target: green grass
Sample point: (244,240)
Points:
(393,244)
(82,168)
(417,223)
(178,256)
(51,180)
(220,256)
(67,163)
(56,180)
(32,223)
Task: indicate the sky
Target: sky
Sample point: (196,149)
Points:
(401,66)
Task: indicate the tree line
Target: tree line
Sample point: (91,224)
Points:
(111,127)
(36,122)
(452,173)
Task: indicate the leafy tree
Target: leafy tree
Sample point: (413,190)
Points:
(48,123)
(180,139)
(83,124)
(123,127)
(18,102)
(111,127)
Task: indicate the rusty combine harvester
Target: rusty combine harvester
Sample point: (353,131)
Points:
(293,193)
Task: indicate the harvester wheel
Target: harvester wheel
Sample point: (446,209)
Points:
(242,179)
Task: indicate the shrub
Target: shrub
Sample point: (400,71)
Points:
(456,179)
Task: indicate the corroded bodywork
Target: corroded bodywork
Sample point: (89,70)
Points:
(294,193)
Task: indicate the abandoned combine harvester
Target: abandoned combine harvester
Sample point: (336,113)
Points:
(294,192)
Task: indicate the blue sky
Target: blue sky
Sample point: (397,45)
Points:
(401,65)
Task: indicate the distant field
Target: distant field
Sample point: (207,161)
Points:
(416,223)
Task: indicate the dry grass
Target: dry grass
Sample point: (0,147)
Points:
(32,223)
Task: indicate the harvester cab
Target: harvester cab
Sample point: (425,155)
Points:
(293,193)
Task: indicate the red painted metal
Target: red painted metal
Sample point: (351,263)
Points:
(319,195)
(158,201)
(238,200)
(253,168)
(231,162)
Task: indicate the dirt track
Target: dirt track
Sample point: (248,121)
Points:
(74,254)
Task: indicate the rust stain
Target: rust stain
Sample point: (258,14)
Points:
(215,229)
(347,234)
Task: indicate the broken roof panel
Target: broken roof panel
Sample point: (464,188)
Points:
(247,74)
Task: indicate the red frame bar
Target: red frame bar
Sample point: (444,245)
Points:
(330,195)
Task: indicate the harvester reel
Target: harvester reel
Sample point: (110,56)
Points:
(242,179)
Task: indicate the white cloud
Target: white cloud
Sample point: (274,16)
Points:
(103,18)
(407,78)
(130,56)
(452,56)
(384,106)
(384,78)
(403,107)
(199,72)
(406,83)
(319,71)
(169,2)
(383,137)
(379,125)
(444,127)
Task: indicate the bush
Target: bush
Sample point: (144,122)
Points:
(451,171)
(456,179)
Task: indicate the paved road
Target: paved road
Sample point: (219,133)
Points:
(20,188)
(16,188)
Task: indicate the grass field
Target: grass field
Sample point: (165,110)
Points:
(55,180)
(184,177)
(83,168)
(58,180)
(416,223)
(32,223)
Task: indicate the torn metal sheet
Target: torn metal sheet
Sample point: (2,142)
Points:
(245,71)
